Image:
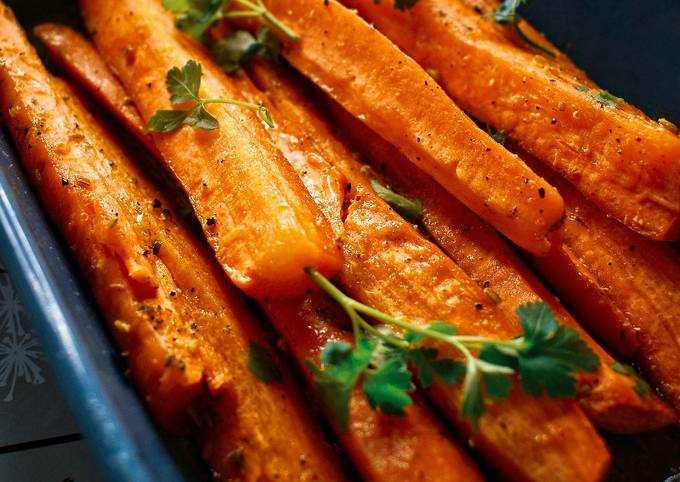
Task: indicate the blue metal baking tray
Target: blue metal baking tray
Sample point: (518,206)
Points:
(632,48)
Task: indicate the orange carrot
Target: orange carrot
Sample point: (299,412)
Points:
(609,397)
(617,157)
(76,56)
(389,266)
(167,302)
(385,448)
(396,98)
(262,224)
(624,286)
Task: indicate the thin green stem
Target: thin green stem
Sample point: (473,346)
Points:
(531,42)
(462,343)
(262,111)
(387,338)
(260,10)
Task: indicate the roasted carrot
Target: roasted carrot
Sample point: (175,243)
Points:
(262,224)
(383,448)
(396,98)
(609,397)
(389,266)
(617,157)
(76,56)
(386,448)
(624,286)
(173,323)
(378,243)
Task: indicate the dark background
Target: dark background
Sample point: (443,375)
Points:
(629,47)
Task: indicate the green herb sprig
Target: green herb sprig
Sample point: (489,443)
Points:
(184,85)
(546,357)
(400,4)
(197,16)
(410,209)
(507,14)
(604,97)
(239,48)
(498,136)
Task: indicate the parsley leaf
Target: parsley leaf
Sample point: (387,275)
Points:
(641,387)
(498,136)
(404,4)
(183,86)
(261,363)
(342,367)
(197,16)
(550,353)
(238,49)
(546,357)
(606,98)
(429,367)
(388,387)
(410,209)
(507,14)
(472,405)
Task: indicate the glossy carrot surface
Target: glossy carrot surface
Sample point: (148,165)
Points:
(386,448)
(400,101)
(76,56)
(616,156)
(388,265)
(168,304)
(626,287)
(609,397)
(256,214)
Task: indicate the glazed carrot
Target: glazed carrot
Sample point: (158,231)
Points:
(384,448)
(624,286)
(403,274)
(396,98)
(76,56)
(258,217)
(608,397)
(390,267)
(617,157)
(171,327)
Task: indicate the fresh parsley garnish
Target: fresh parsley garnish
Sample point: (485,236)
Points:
(641,387)
(400,4)
(507,14)
(261,363)
(410,209)
(184,85)
(235,51)
(197,16)
(498,136)
(604,97)
(546,358)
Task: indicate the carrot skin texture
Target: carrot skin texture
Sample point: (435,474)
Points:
(264,227)
(632,284)
(620,159)
(524,438)
(171,333)
(76,56)
(413,269)
(609,398)
(383,448)
(337,50)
